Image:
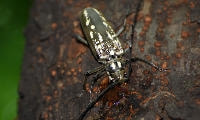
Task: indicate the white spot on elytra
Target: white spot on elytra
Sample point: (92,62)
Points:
(105,24)
(114,35)
(87,19)
(113,66)
(96,41)
(98,46)
(85,13)
(101,50)
(91,34)
(102,17)
(120,52)
(111,52)
(119,64)
(103,56)
(109,35)
(96,10)
(92,27)
(100,37)
(87,22)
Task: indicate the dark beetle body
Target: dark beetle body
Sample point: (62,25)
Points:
(103,42)
(107,50)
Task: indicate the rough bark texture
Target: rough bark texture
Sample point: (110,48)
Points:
(167,33)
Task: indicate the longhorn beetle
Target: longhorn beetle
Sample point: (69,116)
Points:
(107,49)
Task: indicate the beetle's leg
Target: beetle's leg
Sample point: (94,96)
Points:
(91,104)
(132,35)
(121,29)
(129,47)
(82,40)
(90,72)
(95,70)
(135,59)
(95,78)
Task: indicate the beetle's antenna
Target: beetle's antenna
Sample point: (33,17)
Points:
(132,35)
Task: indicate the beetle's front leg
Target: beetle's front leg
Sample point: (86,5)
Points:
(93,71)
(96,77)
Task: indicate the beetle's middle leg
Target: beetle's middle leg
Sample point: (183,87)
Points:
(121,29)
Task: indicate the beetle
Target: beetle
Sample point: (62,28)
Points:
(107,50)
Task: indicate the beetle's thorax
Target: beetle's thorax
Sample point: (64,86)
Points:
(115,69)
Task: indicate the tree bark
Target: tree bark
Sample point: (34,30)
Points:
(167,33)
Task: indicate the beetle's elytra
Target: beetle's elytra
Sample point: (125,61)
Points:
(103,42)
(100,35)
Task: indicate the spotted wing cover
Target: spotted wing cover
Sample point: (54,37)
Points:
(100,35)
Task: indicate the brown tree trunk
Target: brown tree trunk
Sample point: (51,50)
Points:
(167,33)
